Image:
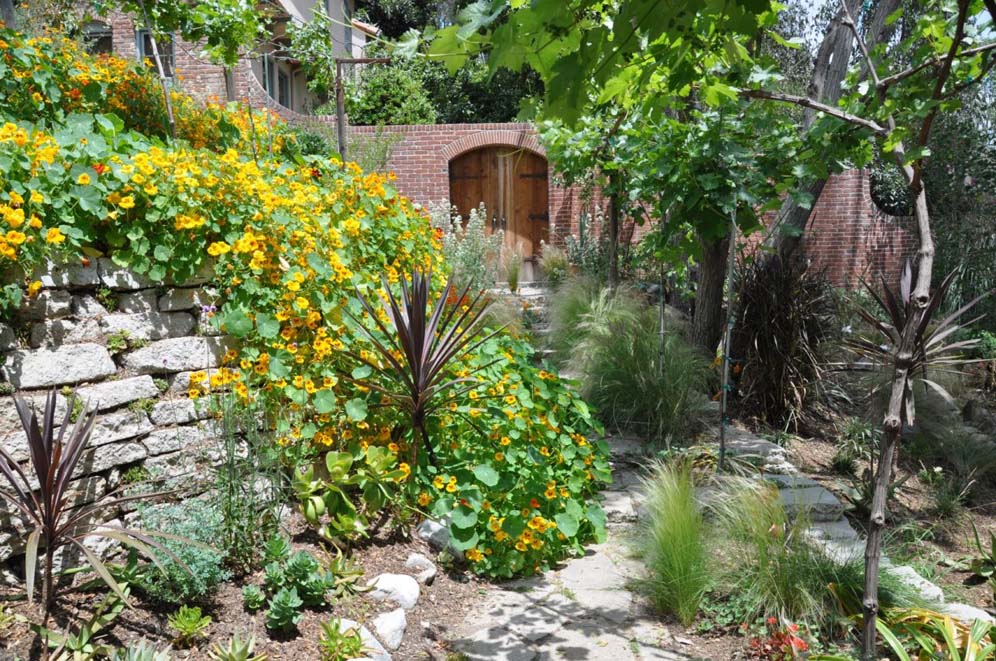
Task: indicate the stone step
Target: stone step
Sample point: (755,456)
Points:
(813,502)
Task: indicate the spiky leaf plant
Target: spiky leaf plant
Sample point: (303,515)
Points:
(418,343)
(45,499)
(931,348)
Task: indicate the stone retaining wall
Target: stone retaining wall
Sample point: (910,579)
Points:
(128,346)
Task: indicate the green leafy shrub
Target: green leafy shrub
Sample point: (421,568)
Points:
(202,568)
(188,624)
(570,304)
(284,611)
(387,95)
(673,543)
(467,247)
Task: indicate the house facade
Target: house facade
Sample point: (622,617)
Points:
(272,77)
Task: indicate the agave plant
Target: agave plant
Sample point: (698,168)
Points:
(44,500)
(930,348)
(418,343)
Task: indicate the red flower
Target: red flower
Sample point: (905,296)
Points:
(100,168)
(534,504)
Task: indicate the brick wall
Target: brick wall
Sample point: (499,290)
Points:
(851,239)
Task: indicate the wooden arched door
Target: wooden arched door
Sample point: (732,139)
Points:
(513,185)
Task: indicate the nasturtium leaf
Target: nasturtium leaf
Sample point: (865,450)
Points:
(464,517)
(463,538)
(361,371)
(237,323)
(356,409)
(486,474)
(267,326)
(325,401)
(567,524)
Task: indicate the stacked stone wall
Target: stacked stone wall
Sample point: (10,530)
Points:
(127,346)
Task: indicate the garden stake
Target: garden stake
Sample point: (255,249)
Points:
(726,341)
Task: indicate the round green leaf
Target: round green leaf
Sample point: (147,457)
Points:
(486,474)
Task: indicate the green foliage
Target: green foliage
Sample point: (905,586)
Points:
(238,649)
(311,44)
(354,486)
(386,95)
(915,633)
(588,254)
(188,625)
(567,306)
(277,549)
(984,564)
(987,345)
(554,265)
(135,475)
(249,482)
(85,642)
(141,651)
(467,248)
(673,543)
(636,378)
(284,610)
(253,598)
(770,559)
(51,518)
(338,644)
(193,569)
(513,267)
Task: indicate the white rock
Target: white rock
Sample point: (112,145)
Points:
(437,535)
(149,325)
(119,426)
(927,590)
(398,588)
(145,300)
(48,304)
(7,338)
(116,277)
(86,307)
(185,299)
(111,394)
(71,363)
(425,568)
(67,275)
(966,613)
(390,628)
(178,354)
(163,441)
(179,411)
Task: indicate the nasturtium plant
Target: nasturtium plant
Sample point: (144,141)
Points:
(290,242)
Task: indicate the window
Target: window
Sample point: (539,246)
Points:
(269,74)
(98,37)
(283,89)
(166,50)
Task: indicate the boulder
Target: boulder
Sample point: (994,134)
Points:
(400,589)
(390,628)
(178,354)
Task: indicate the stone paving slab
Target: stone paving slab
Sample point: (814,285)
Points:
(814,502)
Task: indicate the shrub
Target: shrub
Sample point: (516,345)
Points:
(467,247)
(197,569)
(387,95)
(285,610)
(634,382)
(188,624)
(554,264)
(568,304)
(673,542)
(786,321)
(770,559)
(338,644)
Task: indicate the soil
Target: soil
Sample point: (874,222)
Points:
(442,604)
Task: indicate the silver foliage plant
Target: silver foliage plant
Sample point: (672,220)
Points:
(467,247)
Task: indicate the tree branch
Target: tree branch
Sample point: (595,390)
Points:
(902,75)
(806,102)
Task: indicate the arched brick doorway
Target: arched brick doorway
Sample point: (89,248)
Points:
(512,182)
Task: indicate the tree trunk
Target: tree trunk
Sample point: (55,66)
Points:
(829,70)
(707,322)
(229,84)
(614,212)
(7,14)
